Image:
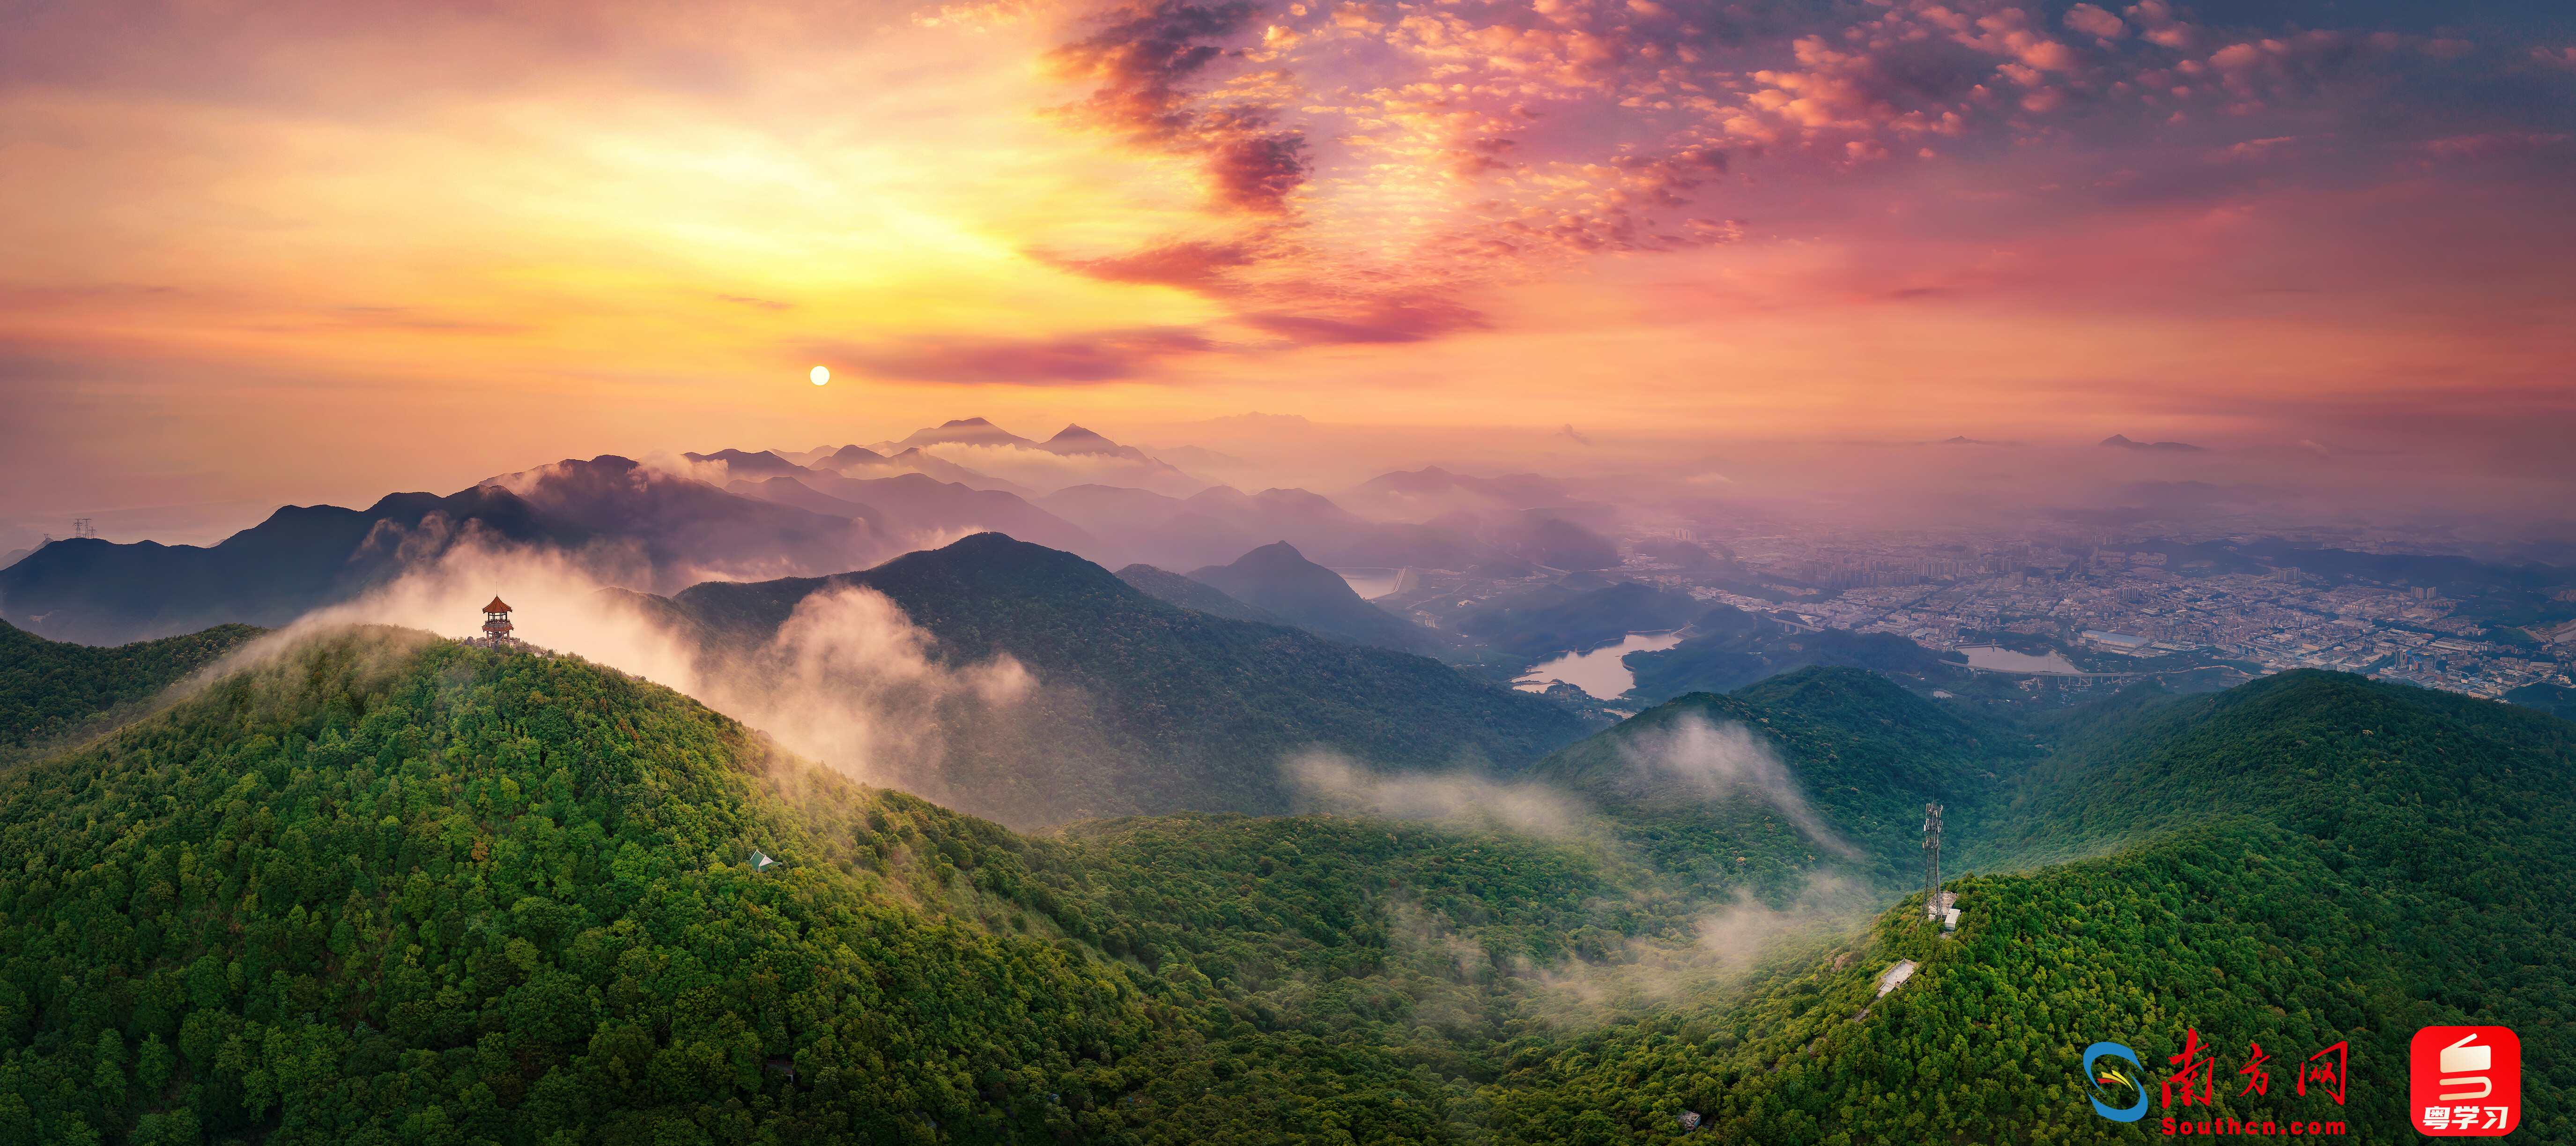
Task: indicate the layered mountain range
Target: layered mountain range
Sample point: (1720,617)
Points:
(372,885)
(737,514)
(1130,703)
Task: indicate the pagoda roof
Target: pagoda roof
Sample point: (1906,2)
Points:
(497,606)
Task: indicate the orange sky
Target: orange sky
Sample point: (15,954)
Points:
(310,252)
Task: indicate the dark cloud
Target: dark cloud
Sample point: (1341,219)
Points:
(1411,321)
(1438,149)
(1192,265)
(1257,173)
(1145,61)
(1073,360)
(1150,64)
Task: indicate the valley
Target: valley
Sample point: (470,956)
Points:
(1176,573)
(981,841)
(538,920)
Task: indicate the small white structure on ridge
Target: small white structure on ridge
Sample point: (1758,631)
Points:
(1895,976)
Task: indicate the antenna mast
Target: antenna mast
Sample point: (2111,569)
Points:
(1932,905)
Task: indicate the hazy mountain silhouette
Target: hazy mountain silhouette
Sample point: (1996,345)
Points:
(1074,439)
(1173,588)
(637,525)
(1729,649)
(2121,441)
(687,529)
(1001,459)
(1556,619)
(969,431)
(847,456)
(1453,540)
(1278,578)
(920,504)
(864,463)
(1519,491)
(1139,705)
(1561,544)
(739,464)
(789,491)
(1217,523)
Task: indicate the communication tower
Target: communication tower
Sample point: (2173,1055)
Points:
(1934,903)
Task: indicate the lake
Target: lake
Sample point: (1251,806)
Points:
(1597,672)
(1371,584)
(1991,657)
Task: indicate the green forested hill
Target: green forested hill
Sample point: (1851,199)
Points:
(387,891)
(393,889)
(1140,706)
(48,688)
(1730,649)
(1552,618)
(2308,859)
(1863,753)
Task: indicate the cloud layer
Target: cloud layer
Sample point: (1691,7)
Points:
(258,251)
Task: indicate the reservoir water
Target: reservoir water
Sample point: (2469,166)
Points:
(1371,584)
(1597,672)
(1991,657)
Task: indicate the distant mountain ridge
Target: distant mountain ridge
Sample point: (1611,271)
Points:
(648,526)
(48,688)
(1278,578)
(1220,523)
(1174,589)
(1555,619)
(635,524)
(562,936)
(1729,649)
(1138,706)
(2121,441)
(1074,456)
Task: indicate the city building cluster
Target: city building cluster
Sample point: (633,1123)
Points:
(2113,599)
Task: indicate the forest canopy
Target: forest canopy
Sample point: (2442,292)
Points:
(379,887)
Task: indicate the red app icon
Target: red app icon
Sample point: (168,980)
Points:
(2465,1081)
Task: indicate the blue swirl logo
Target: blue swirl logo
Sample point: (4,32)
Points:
(2121,1079)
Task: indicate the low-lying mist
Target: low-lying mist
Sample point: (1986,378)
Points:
(847,680)
(1333,783)
(1718,760)
(1696,942)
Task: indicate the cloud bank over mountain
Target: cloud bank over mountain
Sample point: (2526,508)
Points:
(1787,221)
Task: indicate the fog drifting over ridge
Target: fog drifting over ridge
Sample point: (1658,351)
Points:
(846,682)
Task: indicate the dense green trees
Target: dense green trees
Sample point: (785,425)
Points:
(1730,649)
(1142,706)
(2307,860)
(429,893)
(52,688)
(383,888)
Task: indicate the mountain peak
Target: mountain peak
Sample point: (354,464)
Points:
(1280,579)
(1073,439)
(741,463)
(2122,441)
(964,432)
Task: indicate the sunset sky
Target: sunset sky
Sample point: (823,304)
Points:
(302,251)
